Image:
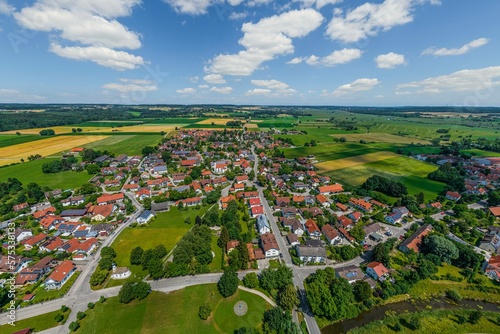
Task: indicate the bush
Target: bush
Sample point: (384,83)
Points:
(64,308)
(74,326)
(204,311)
(102,299)
(454,295)
(59,317)
(90,305)
(475,316)
(251,280)
(80,315)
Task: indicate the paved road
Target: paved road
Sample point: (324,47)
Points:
(298,280)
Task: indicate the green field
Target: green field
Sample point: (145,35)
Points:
(167,229)
(37,324)
(108,123)
(176,120)
(434,322)
(176,312)
(125,144)
(217,261)
(9,140)
(481,153)
(31,171)
(411,172)
(277,123)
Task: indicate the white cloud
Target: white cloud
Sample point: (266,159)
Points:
(335,58)
(318,3)
(235,2)
(118,60)
(370,19)
(192,7)
(13,95)
(5,8)
(359,85)
(254,3)
(222,90)
(203,86)
(237,16)
(194,79)
(188,90)
(456,51)
(460,81)
(271,88)
(265,40)
(5,91)
(90,24)
(131,85)
(390,60)
(214,79)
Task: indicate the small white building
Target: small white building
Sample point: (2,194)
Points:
(121,273)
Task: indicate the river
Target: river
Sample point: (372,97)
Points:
(379,313)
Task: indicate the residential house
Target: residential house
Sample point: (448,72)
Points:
(312,229)
(263,224)
(453,196)
(355,216)
(22,234)
(13,263)
(323,201)
(495,211)
(350,273)
(100,212)
(269,245)
(377,271)
(60,275)
(314,211)
(491,240)
(50,222)
(492,269)
(34,241)
(290,212)
(51,244)
(414,241)
(360,204)
(282,202)
(110,199)
(231,245)
(120,273)
(331,234)
(19,207)
(345,222)
(311,254)
(256,211)
(145,217)
(293,239)
(331,189)
(241,179)
(193,201)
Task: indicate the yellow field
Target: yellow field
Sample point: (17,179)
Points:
(250,126)
(216,121)
(43,147)
(355,161)
(133,128)
(381,138)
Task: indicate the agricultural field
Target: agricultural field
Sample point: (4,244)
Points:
(332,165)
(481,153)
(278,123)
(176,312)
(125,144)
(8,140)
(167,229)
(410,172)
(215,121)
(43,147)
(382,138)
(108,123)
(31,171)
(102,127)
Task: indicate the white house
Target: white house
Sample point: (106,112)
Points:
(60,275)
(120,273)
(263,225)
(309,254)
(144,217)
(22,234)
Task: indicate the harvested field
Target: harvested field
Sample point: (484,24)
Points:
(354,161)
(58,129)
(251,126)
(148,128)
(381,138)
(133,128)
(43,147)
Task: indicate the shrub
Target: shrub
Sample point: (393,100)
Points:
(80,315)
(454,295)
(59,317)
(64,308)
(204,311)
(90,305)
(74,326)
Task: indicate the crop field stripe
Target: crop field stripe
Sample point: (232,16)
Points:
(355,161)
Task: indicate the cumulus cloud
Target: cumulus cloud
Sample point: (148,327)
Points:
(222,90)
(390,60)
(118,60)
(14,95)
(188,90)
(456,51)
(317,3)
(271,88)
(460,81)
(335,58)
(265,40)
(214,79)
(200,7)
(203,86)
(359,85)
(237,16)
(131,85)
(90,25)
(369,19)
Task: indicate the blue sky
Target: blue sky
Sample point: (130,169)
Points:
(310,52)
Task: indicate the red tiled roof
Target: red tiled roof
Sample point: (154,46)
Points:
(110,198)
(62,271)
(332,188)
(379,268)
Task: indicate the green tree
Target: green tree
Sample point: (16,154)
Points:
(223,238)
(280,322)
(126,293)
(475,316)
(362,291)
(98,277)
(358,233)
(442,247)
(80,315)
(155,269)
(160,251)
(59,317)
(108,252)
(92,169)
(228,283)
(105,264)
(251,280)
(204,311)
(136,255)
(243,255)
(74,326)
(288,298)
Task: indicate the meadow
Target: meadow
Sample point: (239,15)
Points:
(37,324)
(176,312)
(31,171)
(125,144)
(166,229)
(381,138)
(43,147)
(332,165)
(9,140)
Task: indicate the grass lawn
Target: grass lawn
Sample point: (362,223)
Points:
(216,262)
(8,140)
(43,295)
(37,324)
(176,312)
(167,229)
(476,153)
(125,144)
(435,322)
(381,138)
(31,171)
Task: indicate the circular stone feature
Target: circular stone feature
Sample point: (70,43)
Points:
(240,308)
